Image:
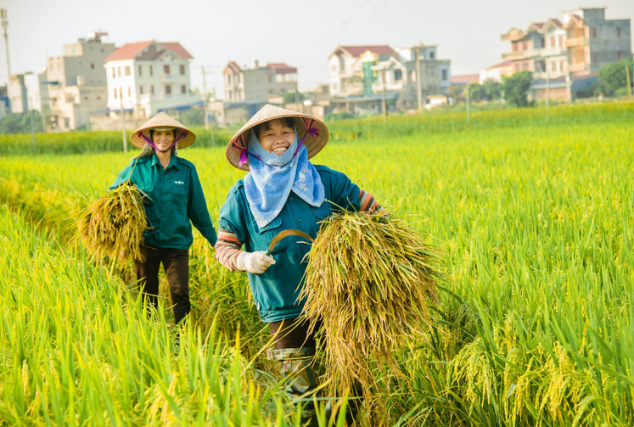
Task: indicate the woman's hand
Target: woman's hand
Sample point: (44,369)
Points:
(254,262)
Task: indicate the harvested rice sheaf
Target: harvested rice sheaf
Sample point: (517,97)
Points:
(370,281)
(113,225)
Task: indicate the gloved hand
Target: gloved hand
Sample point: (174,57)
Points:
(254,262)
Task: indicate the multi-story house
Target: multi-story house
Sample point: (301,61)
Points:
(365,71)
(77,82)
(581,43)
(347,68)
(259,83)
(17,94)
(148,77)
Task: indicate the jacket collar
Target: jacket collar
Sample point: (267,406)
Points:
(174,161)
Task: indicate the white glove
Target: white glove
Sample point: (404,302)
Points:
(254,262)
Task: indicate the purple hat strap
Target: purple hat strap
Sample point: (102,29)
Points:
(183,134)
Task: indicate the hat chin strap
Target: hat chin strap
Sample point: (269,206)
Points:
(182,135)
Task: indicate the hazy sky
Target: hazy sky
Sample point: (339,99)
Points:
(300,33)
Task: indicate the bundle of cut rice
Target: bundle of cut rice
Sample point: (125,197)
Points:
(113,225)
(369,282)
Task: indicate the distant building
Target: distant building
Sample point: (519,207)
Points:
(348,77)
(259,83)
(366,71)
(37,91)
(17,94)
(77,82)
(148,77)
(497,71)
(580,44)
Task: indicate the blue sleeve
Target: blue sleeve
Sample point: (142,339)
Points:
(197,209)
(232,215)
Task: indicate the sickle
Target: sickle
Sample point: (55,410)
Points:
(283,234)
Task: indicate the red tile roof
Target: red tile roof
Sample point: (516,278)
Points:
(177,49)
(358,50)
(577,18)
(127,51)
(539,25)
(467,78)
(501,65)
(281,68)
(556,22)
(233,67)
(131,50)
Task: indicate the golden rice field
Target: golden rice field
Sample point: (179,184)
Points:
(535,324)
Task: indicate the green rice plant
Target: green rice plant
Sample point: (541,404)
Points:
(113,225)
(368,284)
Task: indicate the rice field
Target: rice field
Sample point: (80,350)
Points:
(535,324)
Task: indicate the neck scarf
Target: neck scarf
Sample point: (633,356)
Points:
(272,177)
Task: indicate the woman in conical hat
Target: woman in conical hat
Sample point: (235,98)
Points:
(175,201)
(283,190)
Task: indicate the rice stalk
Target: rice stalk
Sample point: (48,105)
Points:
(113,225)
(369,283)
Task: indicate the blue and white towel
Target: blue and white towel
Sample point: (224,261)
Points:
(272,177)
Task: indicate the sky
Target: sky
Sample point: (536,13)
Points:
(301,33)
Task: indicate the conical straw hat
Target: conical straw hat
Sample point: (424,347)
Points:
(163,121)
(314,142)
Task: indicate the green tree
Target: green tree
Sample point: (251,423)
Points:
(492,90)
(193,117)
(516,88)
(476,92)
(614,75)
(289,97)
(11,124)
(25,123)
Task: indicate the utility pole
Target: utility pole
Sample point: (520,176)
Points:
(383,88)
(32,127)
(629,85)
(547,96)
(5,24)
(125,140)
(205,99)
(468,103)
(418,82)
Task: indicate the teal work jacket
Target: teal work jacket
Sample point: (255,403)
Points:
(276,291)
(175,197)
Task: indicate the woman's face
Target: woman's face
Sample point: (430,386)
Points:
(277,138)
(163,139)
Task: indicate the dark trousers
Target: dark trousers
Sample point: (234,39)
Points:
(176,266)
(296,349)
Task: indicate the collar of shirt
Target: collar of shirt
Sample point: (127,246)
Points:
(173,161)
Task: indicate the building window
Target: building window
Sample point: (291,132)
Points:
(115,93)
(553,41)
(618,33)
(594,58)
(129,92)
(398,75)
(594,33)
(140,70)
(127,70)
(168,90)
(151,70)
(113,73)
(562,65)
(152,89)
(561,41)
(166,69)
(182,69)
(431,55)
(444,74)
(270,78)
(183,88)
(141,90)
(121,92)
(98,98)
(92,66)
(85,98)
(119,71)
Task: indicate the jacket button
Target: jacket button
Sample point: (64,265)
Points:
(299,220)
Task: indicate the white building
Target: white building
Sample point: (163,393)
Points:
(148,77)
(259,83)
(37,91)
(76,82)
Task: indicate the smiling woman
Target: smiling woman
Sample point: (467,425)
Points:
(174,198)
